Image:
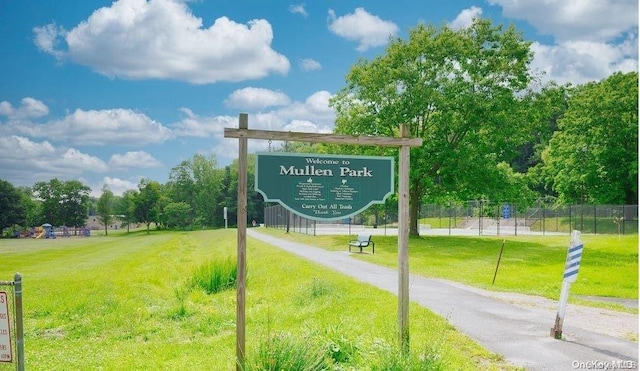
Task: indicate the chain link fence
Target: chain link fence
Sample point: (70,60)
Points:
(474,218)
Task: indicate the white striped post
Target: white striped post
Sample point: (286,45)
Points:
(572,265)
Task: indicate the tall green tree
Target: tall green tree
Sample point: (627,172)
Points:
(177,215)
(75,203)
(457,89)
(593,157)
(63,203)
(196,182)
(207,178)
(125,207)
(12,210)
(146,202)
(50,196)
(30,205)
(106,208)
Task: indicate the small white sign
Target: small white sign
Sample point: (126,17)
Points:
(6,355)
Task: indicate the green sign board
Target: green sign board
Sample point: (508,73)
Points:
(324,187)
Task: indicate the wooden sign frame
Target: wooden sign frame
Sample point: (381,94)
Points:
(404,142)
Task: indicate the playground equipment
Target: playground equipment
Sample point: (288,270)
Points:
(48,229)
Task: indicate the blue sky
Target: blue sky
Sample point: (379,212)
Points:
(110,92)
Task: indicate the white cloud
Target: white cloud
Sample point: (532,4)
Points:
(309,64)
(162,39)
(27,162)
(99,128)
(465,18)
(136,159)
(311,115)
(578,62)
(315,109)
(116,185)
(47,38)
(193,125)
(593,20)
(298,9)
(29,108)
(367,29)
(256,98)
(593,39)
(301,126)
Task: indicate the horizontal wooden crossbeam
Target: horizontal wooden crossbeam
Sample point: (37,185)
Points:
(321,138)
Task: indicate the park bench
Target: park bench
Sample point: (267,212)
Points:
(361,242)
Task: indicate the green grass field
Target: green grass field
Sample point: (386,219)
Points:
(529,264)
(128,302)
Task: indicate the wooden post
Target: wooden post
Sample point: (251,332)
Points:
(403,242)
(498,264)
(242,245)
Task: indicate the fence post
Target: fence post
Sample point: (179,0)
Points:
(515,216)
(19,328)
(544,217)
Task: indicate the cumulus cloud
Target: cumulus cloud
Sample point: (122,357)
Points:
(593,20)
(314,109)
(309,64)
(42,160)
(193,125)
(135,159)
(302,126)
(298,9)
(578,62)
(116,185)
(29,108)
(162,39)
(256,98)
(465,18)
(99,128)
(363,27)
(593,38)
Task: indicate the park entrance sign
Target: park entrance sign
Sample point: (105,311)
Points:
(324,187)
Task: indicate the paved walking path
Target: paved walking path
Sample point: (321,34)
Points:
(519,331)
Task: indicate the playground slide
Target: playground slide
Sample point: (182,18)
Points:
(40,235)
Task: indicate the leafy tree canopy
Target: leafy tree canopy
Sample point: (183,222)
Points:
(458,90)
(593,157)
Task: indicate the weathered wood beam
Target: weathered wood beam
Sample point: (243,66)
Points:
(321,138)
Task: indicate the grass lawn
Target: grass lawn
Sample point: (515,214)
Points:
(127,302)
(529,264)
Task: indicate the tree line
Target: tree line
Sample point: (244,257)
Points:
(467,93)
(194,197)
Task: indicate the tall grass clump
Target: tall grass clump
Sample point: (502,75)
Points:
(317,288)
(285,351)
(389,358)
(216,275)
